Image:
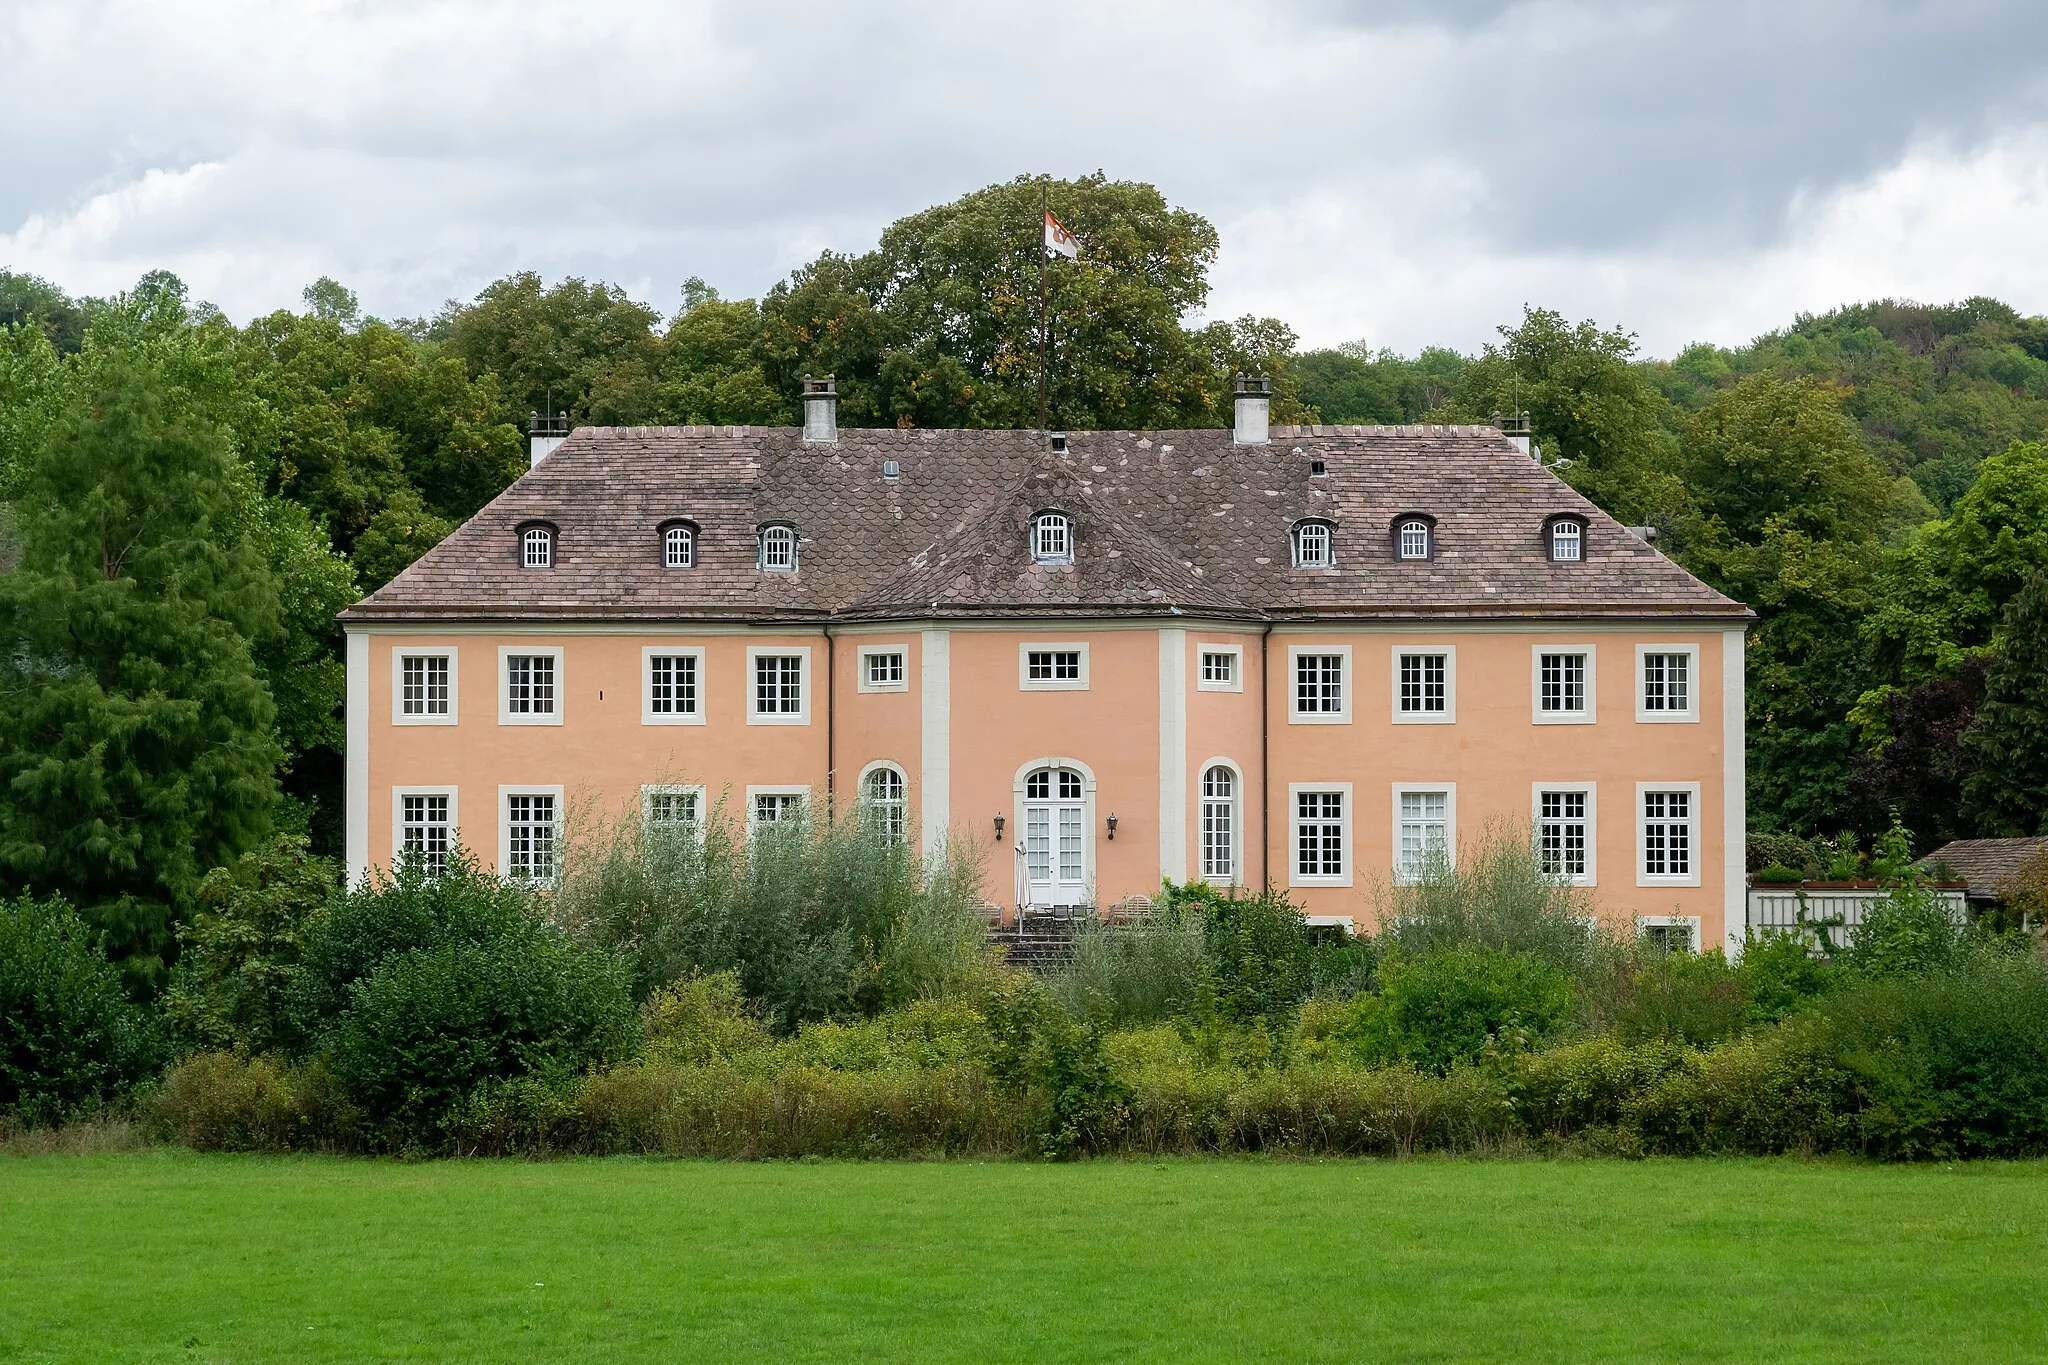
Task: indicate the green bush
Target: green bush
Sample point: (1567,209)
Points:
(1495,896)
(702,1021)
(1037,1051)
(1642,993)
(1779,1090)
(814,918)
(1590,1086)
(1783,972)
(1950,1062)
(239,959)
(231,1102)
(435,1031)
(69,1035)
(1127,974)
(1455,1005)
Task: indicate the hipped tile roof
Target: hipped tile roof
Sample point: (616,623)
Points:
(1166,522)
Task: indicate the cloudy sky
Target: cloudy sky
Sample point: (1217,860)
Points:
(1407,172)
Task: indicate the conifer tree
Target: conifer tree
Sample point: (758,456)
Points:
(137,748)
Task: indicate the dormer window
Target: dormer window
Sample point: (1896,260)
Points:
(1314,546)
(537,548)
(1411,539)
(1567,540)
(778,549)
(678,547)
(1052,538)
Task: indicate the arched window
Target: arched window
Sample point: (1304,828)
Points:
(1567,539)
(1411,539)
(1052,538)
(778,549)
(883,805)
(537,548)
(1056,839)
(1313,545)
(678,548)
(1219,825)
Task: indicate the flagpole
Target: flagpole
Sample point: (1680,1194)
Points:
(1044,208)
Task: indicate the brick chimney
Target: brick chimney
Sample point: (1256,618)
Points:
(545,433)
(821,410)
(1254,410)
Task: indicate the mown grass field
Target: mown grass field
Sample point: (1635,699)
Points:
(169,1256)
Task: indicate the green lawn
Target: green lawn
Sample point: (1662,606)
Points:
(163,1256)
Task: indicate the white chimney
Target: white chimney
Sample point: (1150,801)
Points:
(1516,429)
(1254,410)
(545,433)
(821,410)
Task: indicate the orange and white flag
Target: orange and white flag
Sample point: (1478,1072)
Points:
(1059,241)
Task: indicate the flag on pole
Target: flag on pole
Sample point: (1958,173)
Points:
(1059,241)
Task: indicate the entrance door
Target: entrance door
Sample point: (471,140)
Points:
(1054,831)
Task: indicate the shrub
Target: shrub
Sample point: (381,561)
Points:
(700,1021)
(1133,973)
(1257,958)
(239,961)
(69,1035)
(1799,856)
(1642,993)
(1783,972)
(1037,1050)
(1909,929)
(1495,896)
(1590,1086)
(1952,1062)
(1780,1090)
(435,1031)
(1777,874)
(364,927)
(814,918)
(229,1102)
(1455,1005)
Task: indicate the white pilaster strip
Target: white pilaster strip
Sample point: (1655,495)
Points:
(935,770)
(1734,790)
(356,762)
(1173,754)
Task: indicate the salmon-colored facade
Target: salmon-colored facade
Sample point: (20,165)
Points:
(1089,736)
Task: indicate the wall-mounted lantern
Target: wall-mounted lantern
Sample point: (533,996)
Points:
(1112,826)
(999,829)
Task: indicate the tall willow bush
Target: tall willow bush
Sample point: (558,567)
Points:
(814,918)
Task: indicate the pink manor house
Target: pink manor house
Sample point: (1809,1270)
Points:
(1303,655)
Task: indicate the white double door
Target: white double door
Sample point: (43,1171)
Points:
(1055,838)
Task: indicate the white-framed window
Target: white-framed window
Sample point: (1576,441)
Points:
(529,833)
(778,549)
(1218,824)
(423,826)
(1567,540)
(1319,684)
(1411,539)
(678,548)
(1052,538)
(671,685)
(530,686)
(1425,827)
(1319,829)
(1053,800)
(1672,933)
(1425,684)
(423,686)
(885,801)
(1052,666)
(1221,669)
(672,808)
(537,548)
(1314,545)
(1667,834)
(1667,684)
(883,668)
(1562,684)
(775,805)
(1565,818)
(778,685)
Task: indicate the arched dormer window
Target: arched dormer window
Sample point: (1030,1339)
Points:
(1315,545)
(1052,538)
(678,545)
(778,549)
(1567,539)
(537,547)
(1414,537)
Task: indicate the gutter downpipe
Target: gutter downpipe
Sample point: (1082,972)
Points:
(831,757)
(1265,762)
